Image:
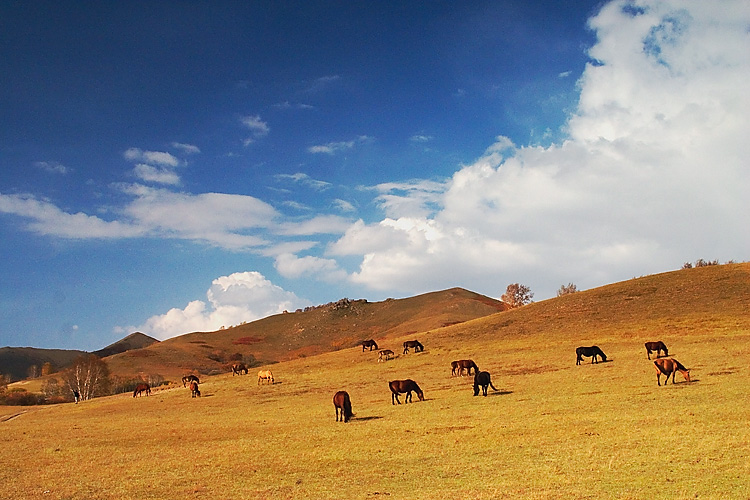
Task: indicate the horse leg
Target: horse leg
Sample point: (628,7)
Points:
(648,353)
(407,398)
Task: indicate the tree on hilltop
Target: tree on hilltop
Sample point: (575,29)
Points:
(517,295)
(567,289)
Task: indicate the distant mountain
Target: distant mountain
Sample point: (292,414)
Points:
(314,330)
(135,340)
(16,361)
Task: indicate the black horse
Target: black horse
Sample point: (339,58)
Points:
(369,343)
(342,402)
(657,347)
(189,378)
(591,352)
(413,344)
(404,386)
(482,379)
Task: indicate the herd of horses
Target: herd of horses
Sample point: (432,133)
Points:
(482,380)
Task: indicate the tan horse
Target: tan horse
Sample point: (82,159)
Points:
(669,366)
(265,375)
(385,355)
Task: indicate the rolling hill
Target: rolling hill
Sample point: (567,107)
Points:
(316,330)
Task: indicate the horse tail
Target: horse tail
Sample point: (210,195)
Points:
(493,387)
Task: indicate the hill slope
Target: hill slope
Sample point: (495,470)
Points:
(16,361)
(135,340)
(291,335)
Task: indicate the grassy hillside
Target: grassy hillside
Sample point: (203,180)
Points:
(299,334)
(16,361)
(554,429)
(135,340)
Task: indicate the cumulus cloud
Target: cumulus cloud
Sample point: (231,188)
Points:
(652,172)
(148,173)
(291,266)
(231,300)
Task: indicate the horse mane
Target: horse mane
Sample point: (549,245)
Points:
(679,365)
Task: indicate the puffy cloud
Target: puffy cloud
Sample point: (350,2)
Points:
(148,173)
(52,167)
(322,224)
(291,266)
(231,300)
(652,172)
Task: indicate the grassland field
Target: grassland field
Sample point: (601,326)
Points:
(553,430)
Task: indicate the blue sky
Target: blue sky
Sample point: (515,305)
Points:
(180,166)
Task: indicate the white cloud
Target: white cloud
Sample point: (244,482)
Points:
(189,149)
(48,219)
(421,138)
(151,157)
(344,205)
(52,167)
(653,171)
(231,300)
(331,147)
(148,173)
(306,180)
(322,224)
(291,266)
(257,127)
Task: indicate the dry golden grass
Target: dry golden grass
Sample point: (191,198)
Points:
(555,430)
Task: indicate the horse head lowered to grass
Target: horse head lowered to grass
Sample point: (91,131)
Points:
(669,366)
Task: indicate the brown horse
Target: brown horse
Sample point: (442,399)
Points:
(141,388)
(194,389)
(458,367)
(342,402)
(656,347)
(189,378)
(369,343)
(385,355)
(669,366)
(592,352)
(239,369)
(413,344)
(482,379)
(404,386)
(266,376)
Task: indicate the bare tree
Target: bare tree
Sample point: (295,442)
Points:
(517,295)
(89,376)
(567,289)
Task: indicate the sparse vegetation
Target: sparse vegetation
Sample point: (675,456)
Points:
(567,289)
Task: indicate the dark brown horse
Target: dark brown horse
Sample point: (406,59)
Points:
(656,347)
(369,343)
(458,367)
(239,369)
(342,402)
(189,378)
(669,366)
(385,355)
(194,389)
(413,344)
(591,352)
(404,386)
(482,379)
(141,388)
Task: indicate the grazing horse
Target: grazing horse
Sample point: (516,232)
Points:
(458,367)
(265,375)
(404,386)
(194,389)
(385,355)
(140,389)
(669,366)
(413,344)
(656,347)
(342,402)
(369,343)
(482,379)
(189,378)
(592,352)
(239,369)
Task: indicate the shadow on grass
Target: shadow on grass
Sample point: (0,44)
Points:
(365,419)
